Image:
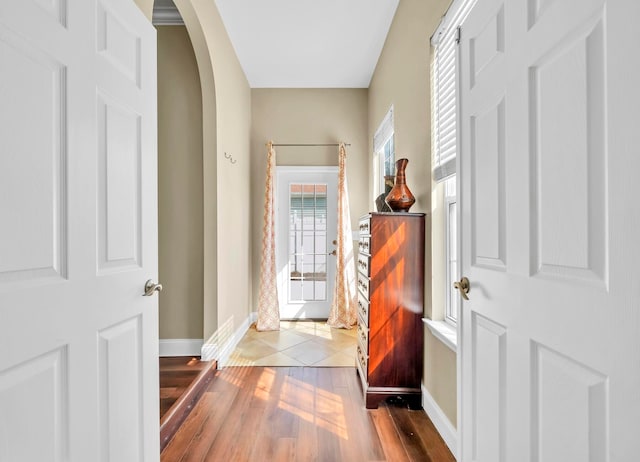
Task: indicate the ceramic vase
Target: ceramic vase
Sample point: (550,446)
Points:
(400,198)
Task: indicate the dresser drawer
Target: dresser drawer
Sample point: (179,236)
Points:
(363,264)
(363,245)
(363,336)
(363,308)
(364,225)
(362,360)
(363,285)
(362,370)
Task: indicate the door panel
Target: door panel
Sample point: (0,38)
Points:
(42,382)
(567,110)
(118,43)
(548,174)
(489,389)
(32,170)
(120,392)
(78,233)
(489,201)
(568,410)
(119,177)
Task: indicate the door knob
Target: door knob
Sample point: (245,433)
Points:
(150,287)
(463,286)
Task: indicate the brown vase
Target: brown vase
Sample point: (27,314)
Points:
(400,198)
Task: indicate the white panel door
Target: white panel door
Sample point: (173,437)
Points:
(306,228)
(78,232)
(549,163)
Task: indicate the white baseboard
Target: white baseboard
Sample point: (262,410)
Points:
(222,343)
(180,347)
(442,423)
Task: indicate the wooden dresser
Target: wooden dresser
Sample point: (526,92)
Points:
(390,306)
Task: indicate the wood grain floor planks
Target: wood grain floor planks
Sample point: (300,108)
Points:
(305,414)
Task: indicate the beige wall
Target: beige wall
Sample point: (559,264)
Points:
(226,107)
(440,375)
(179,185)
(307,116)
(402,79)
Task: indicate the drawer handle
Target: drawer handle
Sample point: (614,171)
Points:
(363,308)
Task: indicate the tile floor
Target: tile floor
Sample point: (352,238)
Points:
(297,343)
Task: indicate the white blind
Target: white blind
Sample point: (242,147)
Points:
(445,87)
(384,131)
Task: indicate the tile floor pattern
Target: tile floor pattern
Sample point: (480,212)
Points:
(297,343)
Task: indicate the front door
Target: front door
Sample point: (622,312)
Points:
(306,230)
(78,233)
(550,220)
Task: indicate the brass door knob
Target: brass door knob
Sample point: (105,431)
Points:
(463,286)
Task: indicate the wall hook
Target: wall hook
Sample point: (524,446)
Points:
(230,158)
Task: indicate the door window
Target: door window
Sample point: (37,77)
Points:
(307,242)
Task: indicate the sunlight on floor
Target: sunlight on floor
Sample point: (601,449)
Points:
(263,389)
(319,407)
(315,405)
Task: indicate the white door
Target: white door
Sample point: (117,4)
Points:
(550,338)
(78,237)
(307,204)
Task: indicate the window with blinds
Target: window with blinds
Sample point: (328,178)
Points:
(445,88)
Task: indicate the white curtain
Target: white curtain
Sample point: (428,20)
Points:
(268,308)
(343,307)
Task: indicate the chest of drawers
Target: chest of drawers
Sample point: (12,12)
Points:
(390,306)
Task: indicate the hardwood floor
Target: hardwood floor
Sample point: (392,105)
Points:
(299,414)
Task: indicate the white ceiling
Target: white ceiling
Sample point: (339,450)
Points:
(308,43)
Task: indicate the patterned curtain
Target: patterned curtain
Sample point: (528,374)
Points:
(268,308)
(343,307)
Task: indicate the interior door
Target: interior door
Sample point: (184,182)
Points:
(306,227)
(549,338)
(78,234)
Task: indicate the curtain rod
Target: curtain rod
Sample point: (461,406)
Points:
(329,144)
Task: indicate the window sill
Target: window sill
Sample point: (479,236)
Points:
(444,332)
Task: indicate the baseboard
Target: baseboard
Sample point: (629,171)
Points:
(222,343)
(442,423)
(180,347)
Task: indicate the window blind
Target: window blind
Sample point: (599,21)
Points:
(445,88)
